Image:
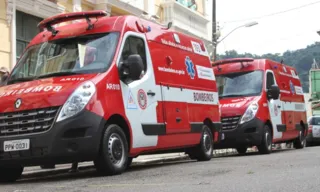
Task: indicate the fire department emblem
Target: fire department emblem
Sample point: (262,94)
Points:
(142,99)
(18,103)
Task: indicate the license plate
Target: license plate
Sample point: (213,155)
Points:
(16,145)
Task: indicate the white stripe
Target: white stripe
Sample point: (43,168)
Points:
(285,91)
(289,75)
(190,96)
(293,106)
(298,90)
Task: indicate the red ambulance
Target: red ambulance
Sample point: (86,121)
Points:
(262,103)
(107,89)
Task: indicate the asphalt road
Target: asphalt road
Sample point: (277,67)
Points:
(284,170)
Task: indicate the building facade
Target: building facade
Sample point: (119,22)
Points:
(19,18)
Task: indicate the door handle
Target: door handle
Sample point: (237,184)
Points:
(178,119)
(279,106)
(151,93)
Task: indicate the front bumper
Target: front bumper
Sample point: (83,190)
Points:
(72,140)
(247,134)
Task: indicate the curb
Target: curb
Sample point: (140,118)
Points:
(161,160)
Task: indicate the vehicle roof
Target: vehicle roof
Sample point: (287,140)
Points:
(250,64)
(113,24)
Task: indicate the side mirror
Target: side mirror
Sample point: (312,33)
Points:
(273,92)
(131,68)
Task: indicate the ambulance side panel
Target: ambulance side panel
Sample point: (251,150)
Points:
(189,92)
(292,99)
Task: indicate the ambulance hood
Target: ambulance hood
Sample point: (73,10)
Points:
(235,106)
(42,93)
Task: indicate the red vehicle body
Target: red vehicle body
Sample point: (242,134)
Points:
(261,102)
(147,90)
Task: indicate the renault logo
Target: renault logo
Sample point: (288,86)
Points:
(18,103)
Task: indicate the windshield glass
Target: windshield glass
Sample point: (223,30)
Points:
(84,54)
(240,84)
(314,121)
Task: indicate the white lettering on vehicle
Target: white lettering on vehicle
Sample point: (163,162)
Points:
(204,97)
(231,105)
(172,44)
(32,90)
(112,86)
(73,79)
(170,70)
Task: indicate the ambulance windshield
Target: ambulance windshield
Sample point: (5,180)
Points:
(240,84)
(69,56)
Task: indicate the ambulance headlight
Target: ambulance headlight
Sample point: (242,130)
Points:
(250,113)
(77,100)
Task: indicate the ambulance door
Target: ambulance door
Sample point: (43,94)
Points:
(140,97)
(275,107)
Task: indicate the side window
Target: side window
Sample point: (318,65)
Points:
(270,80)
(134,45)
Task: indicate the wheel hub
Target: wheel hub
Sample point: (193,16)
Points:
(301,138)
(207,142)
(116,149)
(268,140)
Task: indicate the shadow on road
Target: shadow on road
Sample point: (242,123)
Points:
(90,173)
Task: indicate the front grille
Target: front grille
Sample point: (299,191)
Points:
(229,123)
(26,122)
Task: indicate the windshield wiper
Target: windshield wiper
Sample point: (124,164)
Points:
(23,79)
(57,74)
(231,95)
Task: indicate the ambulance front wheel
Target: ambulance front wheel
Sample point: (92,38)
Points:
(10,174)
(113,156)
(300,142)
(204,151)
(266,143)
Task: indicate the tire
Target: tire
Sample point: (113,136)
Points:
(129,162)
(300,142)
(10,174)
(266,144)
(242,150)
(204,151)
(113,156)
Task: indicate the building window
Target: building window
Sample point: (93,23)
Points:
(26,26)
(189,3)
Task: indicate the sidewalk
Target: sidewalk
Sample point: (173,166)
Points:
(144,159)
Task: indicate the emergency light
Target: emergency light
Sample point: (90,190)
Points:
(234,60)
(49,22)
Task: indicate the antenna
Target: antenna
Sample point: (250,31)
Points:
(169,25)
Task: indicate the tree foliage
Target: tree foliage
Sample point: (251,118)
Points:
(301,59)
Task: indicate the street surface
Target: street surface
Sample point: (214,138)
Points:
(283,170)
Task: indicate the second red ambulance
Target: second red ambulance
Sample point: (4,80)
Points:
(262,103)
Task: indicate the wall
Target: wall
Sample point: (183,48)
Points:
(4,37)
